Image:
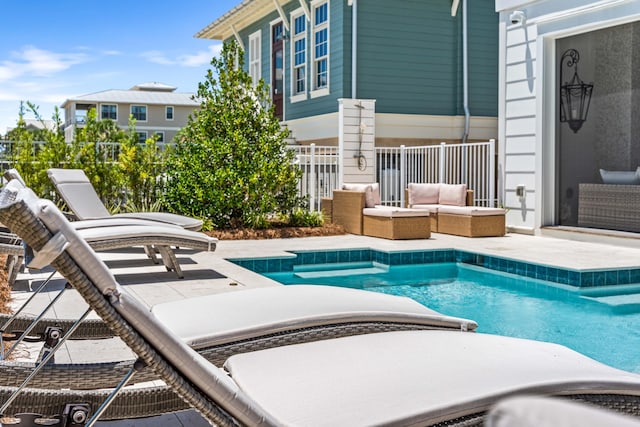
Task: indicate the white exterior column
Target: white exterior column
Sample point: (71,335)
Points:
(356,140)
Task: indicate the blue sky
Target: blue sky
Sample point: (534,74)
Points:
(51,51)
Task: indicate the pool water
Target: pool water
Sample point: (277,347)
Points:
(604,326)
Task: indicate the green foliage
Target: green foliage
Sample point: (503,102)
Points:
(301,217)
(130,182)
(231,163)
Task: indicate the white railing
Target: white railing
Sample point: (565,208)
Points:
(319,165)
(472,164)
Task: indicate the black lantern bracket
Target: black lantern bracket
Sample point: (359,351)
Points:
(575,95)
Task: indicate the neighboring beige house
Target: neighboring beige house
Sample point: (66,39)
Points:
(157,108)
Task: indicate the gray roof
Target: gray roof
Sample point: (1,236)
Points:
(135,97)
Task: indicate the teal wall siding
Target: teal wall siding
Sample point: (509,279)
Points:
(483,58)
(409,57)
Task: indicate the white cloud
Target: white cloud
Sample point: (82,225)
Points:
(202,57)
(187,60)
(32,61)
(157,57)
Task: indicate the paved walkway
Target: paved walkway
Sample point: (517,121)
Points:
(209,273)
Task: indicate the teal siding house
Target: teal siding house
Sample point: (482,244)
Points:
(406,56)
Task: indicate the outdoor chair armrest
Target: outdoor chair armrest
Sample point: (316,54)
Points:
(347,210)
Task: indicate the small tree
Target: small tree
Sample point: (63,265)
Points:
(231,163)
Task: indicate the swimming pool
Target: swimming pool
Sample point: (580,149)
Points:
(599,321)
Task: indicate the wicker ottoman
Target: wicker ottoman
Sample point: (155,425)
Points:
(471,221)
(396,223)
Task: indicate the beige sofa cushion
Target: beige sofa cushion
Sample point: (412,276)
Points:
(470,210)
(371,193)
(433,209)
(423,194)
(453,194)
(391,212)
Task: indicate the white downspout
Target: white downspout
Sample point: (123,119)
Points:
(465,73)
(354,48)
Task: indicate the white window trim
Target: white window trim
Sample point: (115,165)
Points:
(257,36)
(315,93)
(146,108)
(160,132)
(165,112)
(116,105)
(302,96)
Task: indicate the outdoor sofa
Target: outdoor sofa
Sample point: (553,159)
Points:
(452,211)
(391,378)
(357,207)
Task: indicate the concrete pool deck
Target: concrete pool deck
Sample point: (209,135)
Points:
(209,273)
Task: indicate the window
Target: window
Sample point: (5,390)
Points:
(109,111)
(168,113)
(142,137)
(254,57)
(299,47)
(139,112)
(160,136)
(320,40)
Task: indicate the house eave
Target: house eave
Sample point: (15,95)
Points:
(241,16)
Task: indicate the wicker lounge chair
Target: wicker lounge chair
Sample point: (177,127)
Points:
(79,195)
(399,378)
(116,233)
(291,315)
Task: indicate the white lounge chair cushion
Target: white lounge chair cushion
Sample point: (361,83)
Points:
(423,194)
(116,222)
(470,210)
(407,377)
(232,316)
(553,412)
(76,189)
(453,194)
(185,222)
(371,193)
(97,234)
(391,212)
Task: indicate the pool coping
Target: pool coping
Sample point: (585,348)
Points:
(564,276)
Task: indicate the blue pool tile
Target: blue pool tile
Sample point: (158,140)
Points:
(405,258)
(541,272)
(610,278)
(331,257)
(563,276)
(429,257)
(599,278)
(395,258)
(623,277)
(417,257)
(343,256)
(573,278)
(634,275)
(320,258)
(521,268)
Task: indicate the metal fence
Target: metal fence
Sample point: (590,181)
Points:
(472,164)
(320,174)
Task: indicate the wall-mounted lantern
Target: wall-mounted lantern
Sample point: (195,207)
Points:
(575,95)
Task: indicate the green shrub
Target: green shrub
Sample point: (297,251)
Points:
(304,218)
(231,163)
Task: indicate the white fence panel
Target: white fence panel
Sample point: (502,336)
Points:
(320,174)
(472,164)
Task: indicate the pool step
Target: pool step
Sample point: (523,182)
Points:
(624,303)
(312,271)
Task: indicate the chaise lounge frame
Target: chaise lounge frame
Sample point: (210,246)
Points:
(211,393)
